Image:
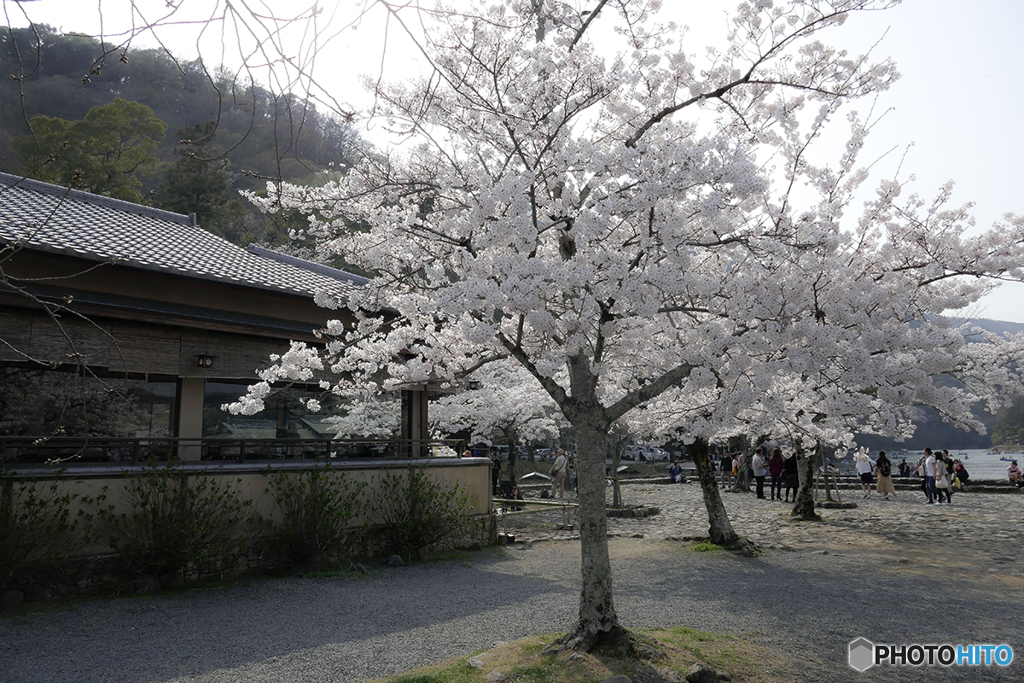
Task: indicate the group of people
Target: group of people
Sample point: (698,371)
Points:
(868,469)
(941,474)
(781,471)
(562,473)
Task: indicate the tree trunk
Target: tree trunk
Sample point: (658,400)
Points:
(804,506)
(598,624)
(720,531)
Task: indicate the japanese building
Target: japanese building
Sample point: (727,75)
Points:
(159,309)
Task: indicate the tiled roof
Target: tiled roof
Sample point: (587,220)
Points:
(52,218)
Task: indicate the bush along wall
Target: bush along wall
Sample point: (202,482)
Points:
(168,526)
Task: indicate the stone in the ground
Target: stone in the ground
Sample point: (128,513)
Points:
(701,673)
(146,584)
(171,581)
(476,662)
(12,598)
(649,674)
(396,561)
(496,677)
(617,678)
(38,594)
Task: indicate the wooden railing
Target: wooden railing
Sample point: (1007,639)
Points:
(25,451)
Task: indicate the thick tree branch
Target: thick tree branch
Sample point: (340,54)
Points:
(642,395)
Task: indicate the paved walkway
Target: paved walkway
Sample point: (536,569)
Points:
(980,529)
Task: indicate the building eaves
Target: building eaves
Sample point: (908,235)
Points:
(41,216)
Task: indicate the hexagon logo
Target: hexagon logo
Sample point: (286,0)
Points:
(862,654)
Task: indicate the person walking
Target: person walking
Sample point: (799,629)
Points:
(942,487)
(725,464)
(947,466)
(557,473)
(883,466)
(790,476)
(929,477)
(865,465)
(759,473)
(776,465)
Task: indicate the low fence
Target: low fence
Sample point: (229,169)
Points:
(29,451)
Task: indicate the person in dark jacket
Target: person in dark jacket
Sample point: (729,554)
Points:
(790,476)
(495,472)
(776,465)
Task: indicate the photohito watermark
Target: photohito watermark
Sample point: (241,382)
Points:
(864,654)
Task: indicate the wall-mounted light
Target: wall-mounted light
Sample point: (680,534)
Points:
(205,361)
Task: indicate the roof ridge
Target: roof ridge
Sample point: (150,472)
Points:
(8,180)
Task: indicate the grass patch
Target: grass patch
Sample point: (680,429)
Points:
(693,634)
(705,547)
(527,660)
(535,673)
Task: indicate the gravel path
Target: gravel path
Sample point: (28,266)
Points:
(845,579)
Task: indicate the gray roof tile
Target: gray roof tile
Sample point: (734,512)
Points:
(52,218)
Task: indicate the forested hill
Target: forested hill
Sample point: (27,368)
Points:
(79,97)
(1006,427)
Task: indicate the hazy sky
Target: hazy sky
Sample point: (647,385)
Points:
(958,104)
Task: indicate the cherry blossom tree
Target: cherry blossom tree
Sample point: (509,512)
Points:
(507,405)
(369,417)
(643,227)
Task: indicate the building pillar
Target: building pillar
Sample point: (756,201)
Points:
(191,391)
(414,422)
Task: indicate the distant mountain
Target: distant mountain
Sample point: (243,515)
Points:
(223,133)
(999,326)
(932,431)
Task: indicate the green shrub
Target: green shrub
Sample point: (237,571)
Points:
(178,518)
(415,512)
(316,510)
(37,526)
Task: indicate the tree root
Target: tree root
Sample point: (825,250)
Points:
(805,515)
(743,546)
(722,539)
(616,641)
